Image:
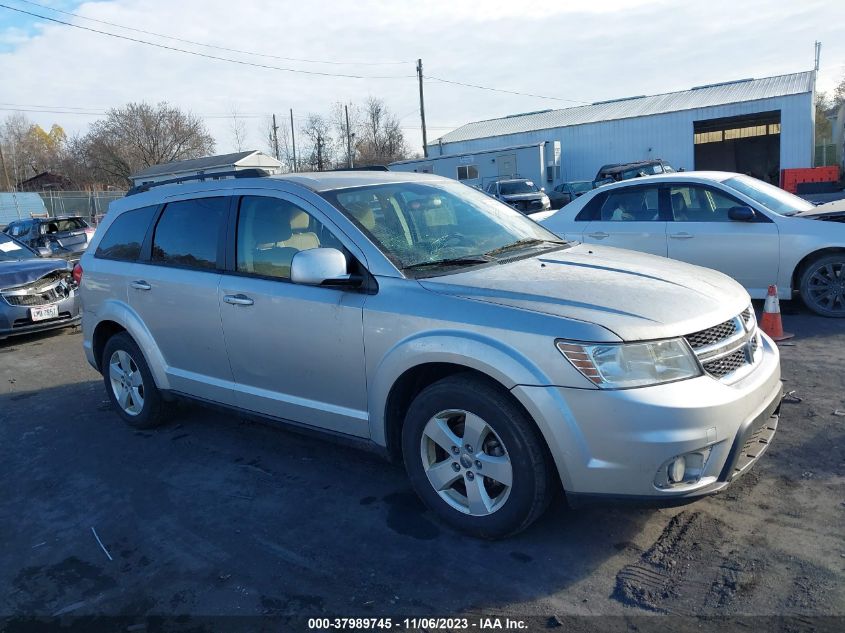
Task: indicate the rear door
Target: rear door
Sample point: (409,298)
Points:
(174,291)
(702,233)
(628,217)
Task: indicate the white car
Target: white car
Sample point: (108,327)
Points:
(754,232)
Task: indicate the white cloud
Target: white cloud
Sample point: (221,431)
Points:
(579,50)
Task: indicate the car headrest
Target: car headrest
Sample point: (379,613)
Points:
(363,214)
(299,220)
(270,223)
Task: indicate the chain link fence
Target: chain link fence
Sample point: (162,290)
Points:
(91,205)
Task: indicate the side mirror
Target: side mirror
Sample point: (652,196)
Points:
(542,188)
(742,214)
(320,266)
(43,251)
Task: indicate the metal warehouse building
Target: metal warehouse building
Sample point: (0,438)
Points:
(753,126)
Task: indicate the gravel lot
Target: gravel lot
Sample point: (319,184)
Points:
(214,515)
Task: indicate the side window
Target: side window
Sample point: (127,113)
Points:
(126,234)
(639,204)
(467,172)
(271,231)
(188,232)
(694,203)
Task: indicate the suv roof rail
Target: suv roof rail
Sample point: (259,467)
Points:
(362,168)
(254,172)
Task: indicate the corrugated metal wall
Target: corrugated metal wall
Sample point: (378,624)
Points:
(669,136)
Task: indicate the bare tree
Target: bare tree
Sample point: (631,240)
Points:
(139,135)
(319,151)
(237,128)
(381,140)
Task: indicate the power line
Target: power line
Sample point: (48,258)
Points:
(221,48)
(207,56)
(94,112)
(510,92)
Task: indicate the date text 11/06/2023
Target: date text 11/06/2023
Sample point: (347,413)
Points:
(409,624)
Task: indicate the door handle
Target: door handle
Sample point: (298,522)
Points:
(238,300)
(599,235)
(140,285)
(681,236)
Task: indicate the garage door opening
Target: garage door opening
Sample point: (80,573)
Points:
(746,144)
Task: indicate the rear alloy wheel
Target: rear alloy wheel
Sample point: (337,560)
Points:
(822,285)
(475,458)
(130,384)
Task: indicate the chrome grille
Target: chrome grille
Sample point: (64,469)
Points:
(712,334)
(728,347)
(726,364)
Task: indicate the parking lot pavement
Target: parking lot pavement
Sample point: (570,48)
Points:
(212,514)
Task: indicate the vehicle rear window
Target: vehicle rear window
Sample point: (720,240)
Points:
(188,232)
(126,234)
(60,225)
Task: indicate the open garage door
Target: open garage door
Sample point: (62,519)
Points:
(747,144)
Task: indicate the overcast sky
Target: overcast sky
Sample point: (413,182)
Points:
(580,51)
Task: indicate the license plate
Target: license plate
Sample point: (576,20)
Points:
(44,312)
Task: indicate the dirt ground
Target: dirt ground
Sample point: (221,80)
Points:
(212,515)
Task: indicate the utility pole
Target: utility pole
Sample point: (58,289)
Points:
(349,160)
(319,152)
(293,139)
(422,107)
(275,138)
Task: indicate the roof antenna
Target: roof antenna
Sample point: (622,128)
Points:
(818,55)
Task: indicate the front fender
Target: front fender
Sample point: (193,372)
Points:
(491,357)
(122,314)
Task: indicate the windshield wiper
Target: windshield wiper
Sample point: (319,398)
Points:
(455,261)
(522,244)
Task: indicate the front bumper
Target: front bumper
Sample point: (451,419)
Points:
(16,320)
(614,443)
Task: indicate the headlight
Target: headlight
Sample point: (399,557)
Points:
(624,365)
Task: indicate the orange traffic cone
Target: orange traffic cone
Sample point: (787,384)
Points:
(771,323)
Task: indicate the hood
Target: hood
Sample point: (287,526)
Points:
(634,295)
(830,211)
(534,195)
(26,271)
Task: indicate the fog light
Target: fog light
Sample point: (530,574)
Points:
(677,468)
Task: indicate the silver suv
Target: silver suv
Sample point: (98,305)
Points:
(438,325)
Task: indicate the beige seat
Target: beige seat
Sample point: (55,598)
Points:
(301,238)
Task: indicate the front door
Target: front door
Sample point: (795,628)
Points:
(175,294)
(506,165)
(297,351)
(703,234)
(630,218)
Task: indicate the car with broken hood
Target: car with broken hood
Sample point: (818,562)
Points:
(520,193)
(36,293)
(420,318)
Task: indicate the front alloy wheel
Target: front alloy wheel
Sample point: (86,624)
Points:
(466,462)
(475,457)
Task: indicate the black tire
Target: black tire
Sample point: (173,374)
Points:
(532,481)
(153,411)
(806,282)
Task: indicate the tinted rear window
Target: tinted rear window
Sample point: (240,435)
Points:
(60,225)
(188,232)
(126,234)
